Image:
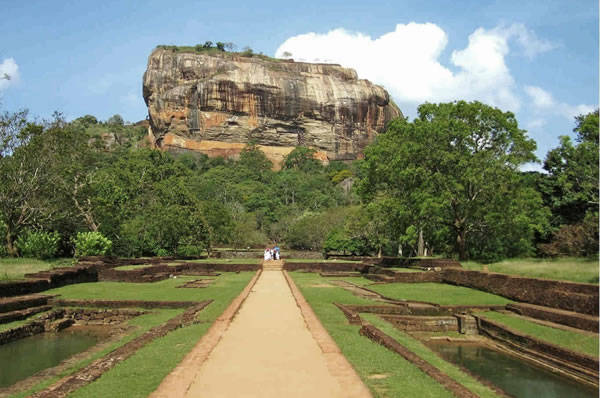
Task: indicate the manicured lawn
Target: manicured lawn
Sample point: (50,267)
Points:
(142,373)
(163,291)
(585,343)
(315,260)
(16,268)
(568,269)
(131,267)
(386,373)
(438,293)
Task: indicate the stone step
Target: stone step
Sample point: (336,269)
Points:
(9,304)
(18,315)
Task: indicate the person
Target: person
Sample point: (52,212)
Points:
(277,254)
(267,254)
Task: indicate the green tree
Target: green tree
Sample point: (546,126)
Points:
(447,167)
(302,159)
(571,187)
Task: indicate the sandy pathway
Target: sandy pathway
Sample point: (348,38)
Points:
(268,351)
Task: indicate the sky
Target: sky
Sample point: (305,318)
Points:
(537,59)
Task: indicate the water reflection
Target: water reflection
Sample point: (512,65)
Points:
(25,357)
(515,376)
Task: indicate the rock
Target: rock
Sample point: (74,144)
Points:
(215,103)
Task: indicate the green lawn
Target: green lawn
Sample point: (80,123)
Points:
(585,343)
(142,373)
(569,268)
(438,293)
(371,360)
(400,269)
(15,268)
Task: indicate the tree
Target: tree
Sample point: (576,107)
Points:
(116,120)
(571,187)
(302,159)
(221,46)
(448,166)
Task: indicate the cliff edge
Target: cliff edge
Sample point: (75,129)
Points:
(217,102)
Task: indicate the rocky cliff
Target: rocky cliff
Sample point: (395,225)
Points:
(217,102)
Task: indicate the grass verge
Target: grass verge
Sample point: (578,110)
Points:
(385,373)
(438,293)
(568,269)
(580,342)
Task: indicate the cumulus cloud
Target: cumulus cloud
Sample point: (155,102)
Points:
(407,61)
(9,73)
(542,100)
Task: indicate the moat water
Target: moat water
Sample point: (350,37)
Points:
(517,377)
(25,357)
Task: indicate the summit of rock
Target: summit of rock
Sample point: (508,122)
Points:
(217,102)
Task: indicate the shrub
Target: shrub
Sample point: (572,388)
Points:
(43,245)
(91,244)
(579,240)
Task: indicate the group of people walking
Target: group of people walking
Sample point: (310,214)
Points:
(272,253)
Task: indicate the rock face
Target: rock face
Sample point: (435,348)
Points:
(216,103)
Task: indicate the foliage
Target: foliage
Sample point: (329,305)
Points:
(91,244)
(302,159)
(38,244)
(579,240)
(453,174)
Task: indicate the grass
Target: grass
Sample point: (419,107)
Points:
(141,373)
(580,342)
(438,293)
(429,356)
(16,268)
(368,358)
(132,267)
(568,269)
(400,269)
(162,291)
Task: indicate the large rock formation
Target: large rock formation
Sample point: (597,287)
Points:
(216,103)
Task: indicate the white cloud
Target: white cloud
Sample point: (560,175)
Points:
(407,61)
(527,39)
(535,123)
(540,97)
(9,68)
(542,100)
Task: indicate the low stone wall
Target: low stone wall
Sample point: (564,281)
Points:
(324,267)
(581,365)
(423,323)
(87,316)
(124,303)
(259,254)
(568,318)
(401,261)
(49,280)
(570,296)
(34,327)
(155,273)
(406,277)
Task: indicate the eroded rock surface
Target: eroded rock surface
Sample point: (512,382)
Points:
(216,103)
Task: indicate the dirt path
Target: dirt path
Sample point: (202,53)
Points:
(268,351)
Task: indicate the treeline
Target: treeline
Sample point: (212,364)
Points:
(447,183)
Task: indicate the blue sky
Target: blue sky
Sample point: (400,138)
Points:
(538,59)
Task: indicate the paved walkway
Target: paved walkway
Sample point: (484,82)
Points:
(268,351)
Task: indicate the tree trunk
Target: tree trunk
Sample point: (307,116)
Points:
(421,244)
(379,253)
(461,242)
(10,247)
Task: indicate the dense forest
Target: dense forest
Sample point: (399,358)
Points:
(446,184)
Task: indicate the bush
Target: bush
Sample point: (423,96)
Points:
(580,240)
(91,244)
(42,245)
